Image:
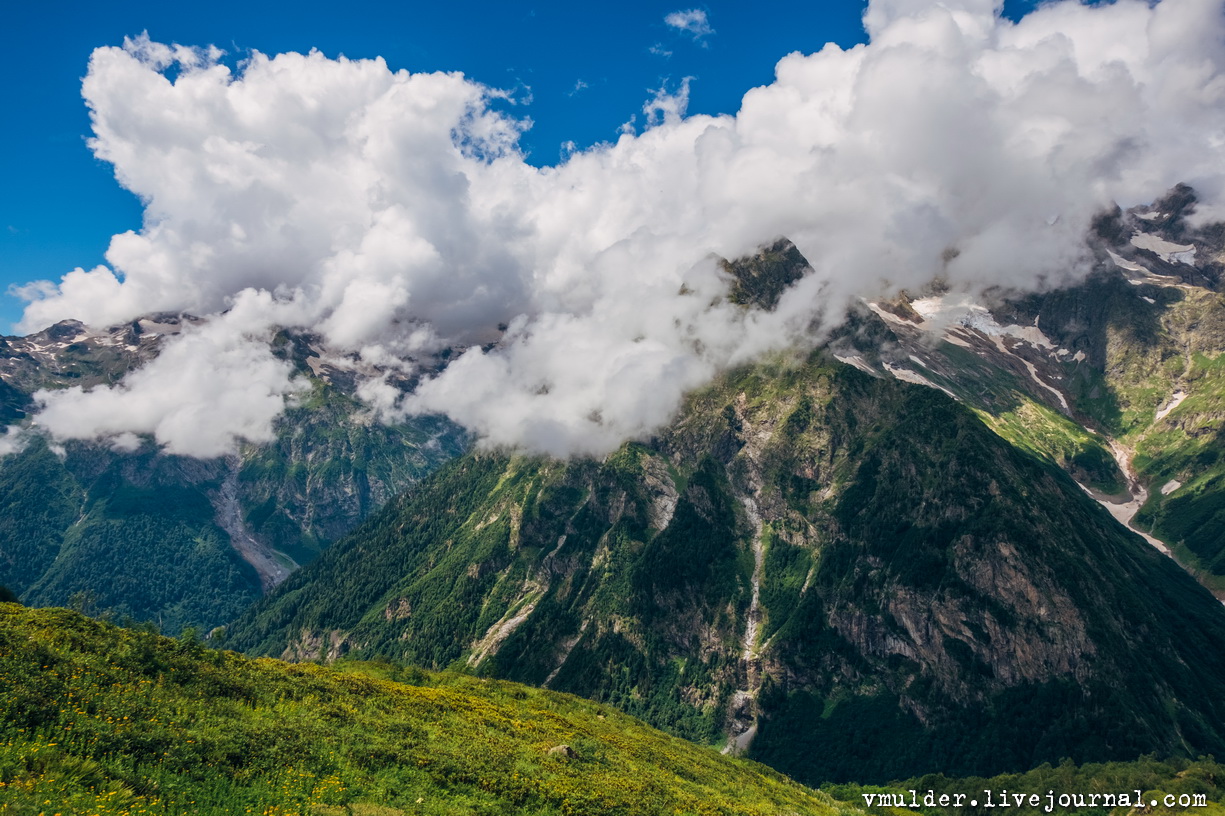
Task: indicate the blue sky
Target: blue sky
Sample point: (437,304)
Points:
(589,69)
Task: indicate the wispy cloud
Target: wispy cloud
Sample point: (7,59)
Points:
(579,87)
(658,50)
(693,22)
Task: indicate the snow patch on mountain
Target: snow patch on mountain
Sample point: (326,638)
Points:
(1165,250)
(1173,402)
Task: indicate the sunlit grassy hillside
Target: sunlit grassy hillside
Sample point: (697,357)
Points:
(95,719)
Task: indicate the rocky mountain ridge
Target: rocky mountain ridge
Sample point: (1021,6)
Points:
(1116,379)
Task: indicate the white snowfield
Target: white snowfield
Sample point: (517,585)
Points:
(1165,250)
(1124,264)
(943,311)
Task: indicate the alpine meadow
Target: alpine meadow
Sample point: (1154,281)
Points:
(554,411)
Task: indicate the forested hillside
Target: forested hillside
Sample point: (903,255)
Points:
(134,532)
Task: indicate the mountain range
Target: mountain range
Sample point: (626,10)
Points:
(967,531)
(182,541)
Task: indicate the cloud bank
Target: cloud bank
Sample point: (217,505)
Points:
(394,214)
(217,384)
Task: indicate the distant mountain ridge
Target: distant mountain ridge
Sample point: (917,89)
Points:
(176,540)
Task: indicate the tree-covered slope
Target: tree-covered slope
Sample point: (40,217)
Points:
(850,577)
(112,722)
(131,535)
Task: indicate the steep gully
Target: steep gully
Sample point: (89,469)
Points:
(270,568)
(1125,512)
(744,701)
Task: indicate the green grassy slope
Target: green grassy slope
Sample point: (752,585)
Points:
(100,720)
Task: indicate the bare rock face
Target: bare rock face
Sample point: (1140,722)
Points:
(664,495)
(316,645)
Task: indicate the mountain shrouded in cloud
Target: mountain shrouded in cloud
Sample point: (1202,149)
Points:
(393,214)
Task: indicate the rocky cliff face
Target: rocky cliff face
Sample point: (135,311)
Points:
(808,554)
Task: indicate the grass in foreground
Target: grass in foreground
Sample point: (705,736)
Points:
(95,719)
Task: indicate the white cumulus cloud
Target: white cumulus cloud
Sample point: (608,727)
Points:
(217,384)
(394,214)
